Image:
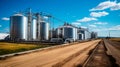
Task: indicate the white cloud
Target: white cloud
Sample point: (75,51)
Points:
(116,7)
(107,4)
(45,17)
(114,31)
(92,25)
(5,18)
(83,27)
(117,27)
(96,29)
(76,23)
(98,14)
(87,19)
(114,28)
(101,23)
(106,33)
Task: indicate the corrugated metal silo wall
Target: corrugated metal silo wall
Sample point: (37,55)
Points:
(44,30)
(18,28)
(34,29)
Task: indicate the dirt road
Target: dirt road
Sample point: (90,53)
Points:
(66,56)
(113,50)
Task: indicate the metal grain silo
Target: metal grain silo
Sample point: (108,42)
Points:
(34,29)
(87,34)
(59,32)
(76,33)
(93,35)
(18,27)
(44,30)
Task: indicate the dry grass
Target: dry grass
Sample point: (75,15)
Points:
(12,46)
(6,48)
(115,39)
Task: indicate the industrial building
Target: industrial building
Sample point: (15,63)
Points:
(32,27)
(72,32)
(84,34)
(67,31)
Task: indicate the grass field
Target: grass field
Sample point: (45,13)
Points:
(7,48)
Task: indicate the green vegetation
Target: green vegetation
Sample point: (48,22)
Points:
(7,48)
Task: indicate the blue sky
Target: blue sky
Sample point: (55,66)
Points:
(101,16)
